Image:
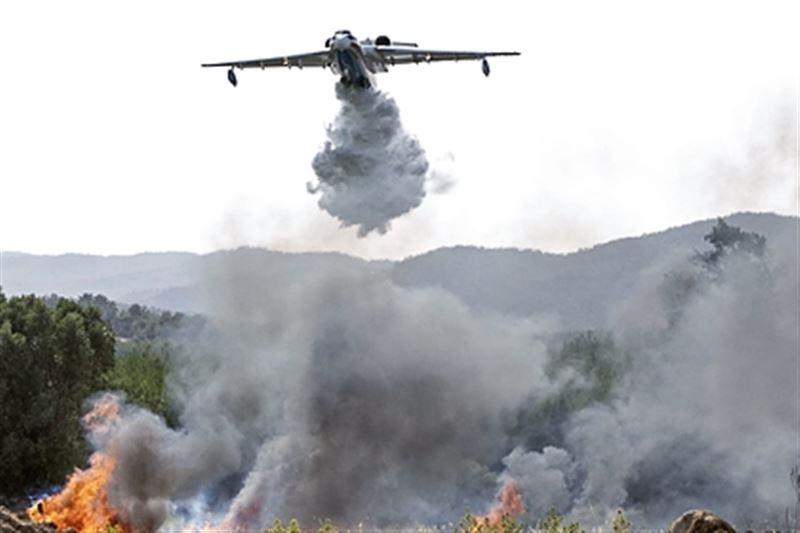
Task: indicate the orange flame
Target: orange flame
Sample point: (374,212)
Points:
(103,415)
(509,503)
(83,503)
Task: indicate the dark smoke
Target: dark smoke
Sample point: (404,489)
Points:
(370,169)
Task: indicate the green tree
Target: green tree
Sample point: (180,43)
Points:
(509,524)
(140,371)
(328,527)
(555,523)
(591,366)
(679,287)
(294,526)
(726,239)
(51,360)
(620,524)
(277,527)
(140,323)
(468,523)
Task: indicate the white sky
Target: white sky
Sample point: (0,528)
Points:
(619,118)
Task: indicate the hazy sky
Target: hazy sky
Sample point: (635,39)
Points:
(619,118)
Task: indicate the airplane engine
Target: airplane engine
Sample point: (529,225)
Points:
(383,40)
(485,67)
(232,77)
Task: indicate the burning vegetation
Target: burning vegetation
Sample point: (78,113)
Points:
(83,504)
(502,517)
(352,398)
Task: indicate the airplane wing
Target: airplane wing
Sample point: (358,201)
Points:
(314,59)
(403,55)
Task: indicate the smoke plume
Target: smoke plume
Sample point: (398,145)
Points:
(386,405)
(156,466)
(370,169)
(705,416)
(346,396)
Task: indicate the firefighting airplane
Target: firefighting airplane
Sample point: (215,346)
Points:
(356,62)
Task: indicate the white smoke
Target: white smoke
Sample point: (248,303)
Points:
(370,169)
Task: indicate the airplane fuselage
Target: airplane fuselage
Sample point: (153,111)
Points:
(357,61)
(349,61)
(350,66)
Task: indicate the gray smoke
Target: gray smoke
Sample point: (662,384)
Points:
(156,465)
(706,416)
(370,169)
(393,402)
(343,395)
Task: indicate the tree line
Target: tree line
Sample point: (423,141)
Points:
(55,354)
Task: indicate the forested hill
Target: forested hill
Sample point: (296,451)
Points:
(579,288)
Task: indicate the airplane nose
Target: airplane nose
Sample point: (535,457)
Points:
(341,43)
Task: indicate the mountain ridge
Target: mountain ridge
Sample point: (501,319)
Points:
(577,287)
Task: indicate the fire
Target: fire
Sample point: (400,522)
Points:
(103,415)
(83,503)
(509,503)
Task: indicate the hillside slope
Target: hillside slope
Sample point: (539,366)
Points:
(579,289)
